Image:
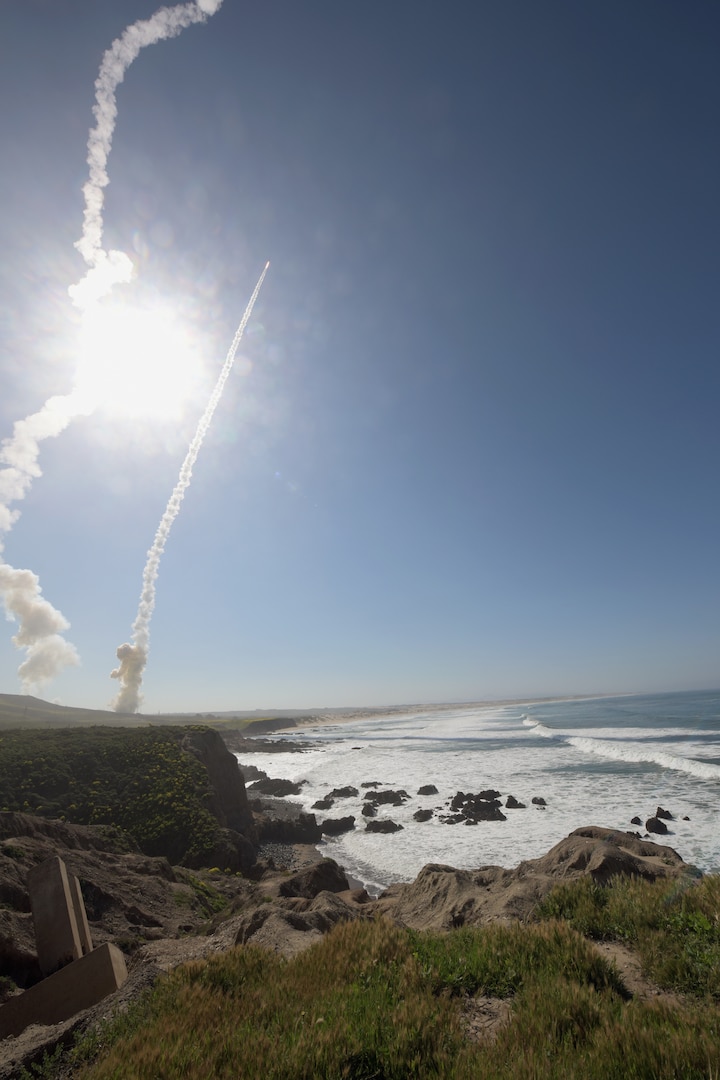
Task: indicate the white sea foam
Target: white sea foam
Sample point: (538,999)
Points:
(585,780)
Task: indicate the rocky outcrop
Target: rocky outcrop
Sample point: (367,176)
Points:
(442,897)
(324,876)
(656,825)
(228,798)
(427,789)
(347,792)
(296,829)
(129,897)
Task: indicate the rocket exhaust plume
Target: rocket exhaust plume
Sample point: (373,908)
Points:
(40,626)
(133,656)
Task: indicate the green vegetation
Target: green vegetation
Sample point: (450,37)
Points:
(138,781)
(374,1002)
(675,927)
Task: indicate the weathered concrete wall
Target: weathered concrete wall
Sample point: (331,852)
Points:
(70,990)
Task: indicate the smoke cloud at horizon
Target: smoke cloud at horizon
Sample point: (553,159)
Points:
(40,625)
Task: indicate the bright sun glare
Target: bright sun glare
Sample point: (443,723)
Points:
(136,362)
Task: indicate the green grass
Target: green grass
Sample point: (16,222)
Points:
(372,1001)
(674,926)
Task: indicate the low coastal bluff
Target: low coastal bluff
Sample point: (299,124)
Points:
(174,792)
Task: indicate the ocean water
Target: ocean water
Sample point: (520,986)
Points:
(596,761)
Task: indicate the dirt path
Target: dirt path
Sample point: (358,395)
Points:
(629,967)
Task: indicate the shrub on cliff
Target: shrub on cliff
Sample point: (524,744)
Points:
(140,780)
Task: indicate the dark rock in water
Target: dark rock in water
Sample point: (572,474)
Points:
(636,820)
(512,803)
(388,798)
(665,814)
(427,789)
(383,826)
(276,787)
(476,807)
(538,800)
(685,817)
(325,876)
(343,793)
(368,810)
(370,783)
(452,819)
(484,811)
(422,815)
(335,826)
(323,804)
(656,825)
(489,793)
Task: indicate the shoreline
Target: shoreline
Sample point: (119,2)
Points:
(345,716)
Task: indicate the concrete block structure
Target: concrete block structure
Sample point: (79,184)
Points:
(73,988)
(77,976)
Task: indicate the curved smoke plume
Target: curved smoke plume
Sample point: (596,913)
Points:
(133,657)
(41,626)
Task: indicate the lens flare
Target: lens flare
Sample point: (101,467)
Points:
(136,362)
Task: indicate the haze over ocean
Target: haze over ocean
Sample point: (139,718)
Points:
(598,761)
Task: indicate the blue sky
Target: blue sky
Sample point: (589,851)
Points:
(470,448)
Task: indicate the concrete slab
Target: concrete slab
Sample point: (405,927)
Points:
(70,990)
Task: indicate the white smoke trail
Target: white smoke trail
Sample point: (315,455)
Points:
(108,269)
(40,624)
(133,657)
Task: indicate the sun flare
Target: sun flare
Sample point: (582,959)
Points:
(137,362)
